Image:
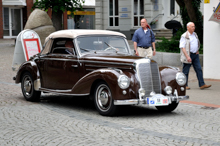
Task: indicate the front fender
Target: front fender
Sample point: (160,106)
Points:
(110,76)
(29,66)
(168,78)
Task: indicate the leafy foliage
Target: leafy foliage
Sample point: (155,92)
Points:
(186,19)
(199,22)
(168,46)
(172,45)
(56,5)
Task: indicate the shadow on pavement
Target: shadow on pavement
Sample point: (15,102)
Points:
(84,104)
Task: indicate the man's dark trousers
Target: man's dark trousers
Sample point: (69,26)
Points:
(197,67)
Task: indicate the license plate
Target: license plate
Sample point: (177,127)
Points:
(158,100)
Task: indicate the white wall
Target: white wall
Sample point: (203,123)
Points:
(211,49)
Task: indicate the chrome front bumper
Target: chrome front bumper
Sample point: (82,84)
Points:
(145,100)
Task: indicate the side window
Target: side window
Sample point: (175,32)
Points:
(138,11)
(172,7)
(113,13)
(63,46)
(47,47)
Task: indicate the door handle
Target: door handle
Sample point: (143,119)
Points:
(74,65)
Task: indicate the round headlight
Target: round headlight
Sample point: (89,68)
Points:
(123,81)
(180,79)
(168,90)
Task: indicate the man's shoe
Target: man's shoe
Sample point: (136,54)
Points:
(205,86)
(187,88)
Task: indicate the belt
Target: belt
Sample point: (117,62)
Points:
(192,53)
(143,47)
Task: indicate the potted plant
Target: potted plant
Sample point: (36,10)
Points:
(153,24)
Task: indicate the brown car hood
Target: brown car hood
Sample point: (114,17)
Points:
(120,61)
(111,58)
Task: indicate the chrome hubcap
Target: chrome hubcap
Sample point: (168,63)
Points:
(27,85)
(103,97)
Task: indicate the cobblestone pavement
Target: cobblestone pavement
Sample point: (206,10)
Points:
(65,120)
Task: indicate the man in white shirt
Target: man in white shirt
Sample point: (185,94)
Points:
(189,45)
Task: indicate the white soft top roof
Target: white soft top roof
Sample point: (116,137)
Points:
(73,33)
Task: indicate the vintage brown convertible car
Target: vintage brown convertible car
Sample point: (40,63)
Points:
(100,64)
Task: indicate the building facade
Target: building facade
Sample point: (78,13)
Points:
(125,15)
(211,39)
(14,15)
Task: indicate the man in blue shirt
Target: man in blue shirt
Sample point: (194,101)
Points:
(144,40)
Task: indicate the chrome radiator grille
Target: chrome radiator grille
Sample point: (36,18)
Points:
(149,77)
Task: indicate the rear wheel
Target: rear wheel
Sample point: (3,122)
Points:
(103,100)
(168,108)
(27,87)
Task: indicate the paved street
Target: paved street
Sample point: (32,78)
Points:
(65,120)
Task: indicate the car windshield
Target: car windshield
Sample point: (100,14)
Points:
(95,44)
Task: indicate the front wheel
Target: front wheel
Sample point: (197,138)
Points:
(168,108)
(27,87)
(103,100)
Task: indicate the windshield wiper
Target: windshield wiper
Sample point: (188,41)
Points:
(110,46)
(85,50)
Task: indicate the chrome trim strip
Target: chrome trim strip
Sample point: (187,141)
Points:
(63,59)
(108,68)
(180,98)
(90,69)
(126,102)
(84,61)
(112,63)
(62,92)
(144,101)
(102,66)
(37,84)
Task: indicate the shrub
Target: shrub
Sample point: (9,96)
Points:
(172,45)
(168,45)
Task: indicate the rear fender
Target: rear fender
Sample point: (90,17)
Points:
(30,67)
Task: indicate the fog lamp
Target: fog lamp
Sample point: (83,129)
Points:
(141,92)
(152,93)
(182,88)
(168,90)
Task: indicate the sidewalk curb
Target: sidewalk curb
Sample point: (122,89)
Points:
(201,103)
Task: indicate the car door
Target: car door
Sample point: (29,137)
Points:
(59,71)
(55,72)
(53,68)
(72,70)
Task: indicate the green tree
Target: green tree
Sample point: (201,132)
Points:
(58,7)
(190,11)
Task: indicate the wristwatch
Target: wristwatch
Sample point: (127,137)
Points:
(134,51)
